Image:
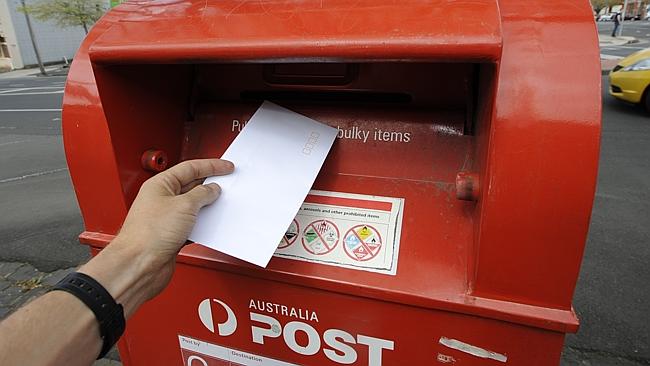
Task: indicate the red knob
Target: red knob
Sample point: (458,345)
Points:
(154,160)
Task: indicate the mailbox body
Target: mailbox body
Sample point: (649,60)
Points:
(420,92)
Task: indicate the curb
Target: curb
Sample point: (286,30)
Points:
(616,41)
(608,64)
(54,70)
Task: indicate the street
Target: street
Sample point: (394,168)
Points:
(639,29)
(40,218)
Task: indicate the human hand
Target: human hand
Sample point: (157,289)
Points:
(165,209)
(155,229)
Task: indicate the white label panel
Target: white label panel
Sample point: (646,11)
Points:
(201,353)
(354,231)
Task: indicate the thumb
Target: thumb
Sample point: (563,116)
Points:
(202,195)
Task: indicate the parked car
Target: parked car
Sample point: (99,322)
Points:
(606,17)
(630,79)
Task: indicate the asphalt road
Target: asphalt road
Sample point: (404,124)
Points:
(639,29)
(40,219)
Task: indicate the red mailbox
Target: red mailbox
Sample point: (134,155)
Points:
(449,220)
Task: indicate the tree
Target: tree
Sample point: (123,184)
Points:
(598,5)
(25,10)
(68,13)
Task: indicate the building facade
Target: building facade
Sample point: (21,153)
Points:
(55,44)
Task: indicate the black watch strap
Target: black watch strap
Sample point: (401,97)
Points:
(109,313)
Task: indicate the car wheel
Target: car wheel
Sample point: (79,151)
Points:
(646,99)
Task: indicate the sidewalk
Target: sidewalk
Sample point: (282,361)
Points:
(20,283)
(53,70)
(608,62)
(604,40)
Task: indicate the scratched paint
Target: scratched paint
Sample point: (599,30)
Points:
(472,350)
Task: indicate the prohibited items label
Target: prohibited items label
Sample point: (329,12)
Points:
(354,231)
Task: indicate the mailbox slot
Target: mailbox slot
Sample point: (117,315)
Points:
(422,121)
(394,108)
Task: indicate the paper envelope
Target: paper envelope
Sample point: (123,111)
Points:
(277,157)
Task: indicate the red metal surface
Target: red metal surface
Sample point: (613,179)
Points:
(389,29)
(519,105)
(539,186)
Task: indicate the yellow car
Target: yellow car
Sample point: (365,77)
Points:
(630,79)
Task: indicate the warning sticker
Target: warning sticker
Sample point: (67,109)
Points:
(200,353)
(320,237)
(347,230)
(362,242)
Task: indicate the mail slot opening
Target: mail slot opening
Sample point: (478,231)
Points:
(310,73)
(334,96)
(384,111)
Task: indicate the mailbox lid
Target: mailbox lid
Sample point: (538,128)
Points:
(164,31)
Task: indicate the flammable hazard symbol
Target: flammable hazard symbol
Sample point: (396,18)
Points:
(362,243)
(320,237)
(291,235)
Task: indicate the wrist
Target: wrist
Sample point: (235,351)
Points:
(123,272)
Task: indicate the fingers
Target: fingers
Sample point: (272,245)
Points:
(184,173)
(188,187)
(202,195)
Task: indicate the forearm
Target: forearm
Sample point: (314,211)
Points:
(54,329)
(59,329)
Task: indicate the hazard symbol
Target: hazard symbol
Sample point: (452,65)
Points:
(362,243)
(320,237)
(291,235)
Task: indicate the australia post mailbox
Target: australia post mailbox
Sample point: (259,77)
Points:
(447,224)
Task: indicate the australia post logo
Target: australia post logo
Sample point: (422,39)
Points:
(338,345)
(205,314)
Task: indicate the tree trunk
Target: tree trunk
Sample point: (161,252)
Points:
(31,35)
(85,27)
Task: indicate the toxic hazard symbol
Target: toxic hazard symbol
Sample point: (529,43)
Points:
(320,237)
(362,242)
(290,236)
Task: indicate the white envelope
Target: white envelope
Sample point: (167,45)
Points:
(277,157)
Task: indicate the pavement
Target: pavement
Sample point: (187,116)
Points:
(51,70)
(40,218)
